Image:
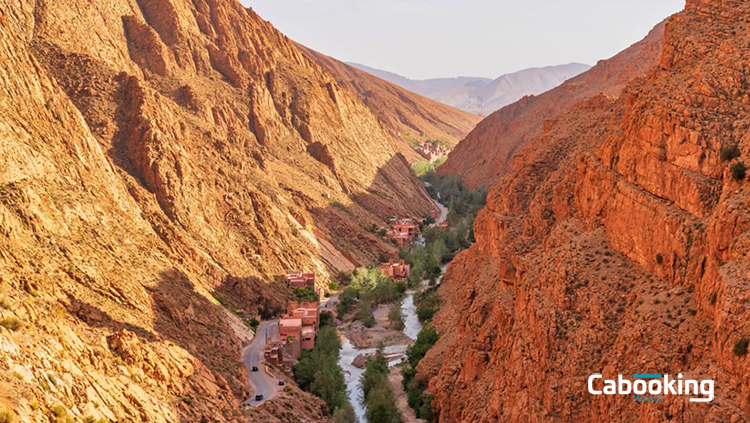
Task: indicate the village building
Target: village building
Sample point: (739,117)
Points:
(396,269)
(403,231)
(290,331)
(274,352)
(433,150)
(297,279)
(308,337)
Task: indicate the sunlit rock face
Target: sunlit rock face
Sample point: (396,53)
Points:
(616,244)
(153,155)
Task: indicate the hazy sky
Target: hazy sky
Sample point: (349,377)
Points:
(445,38)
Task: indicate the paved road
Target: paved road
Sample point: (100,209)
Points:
(252,355)
(443,212)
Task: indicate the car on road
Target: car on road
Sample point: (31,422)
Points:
(281,383)
(255,369)
(259,397)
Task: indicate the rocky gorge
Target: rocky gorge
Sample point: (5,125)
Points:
(615,244)
(160,162)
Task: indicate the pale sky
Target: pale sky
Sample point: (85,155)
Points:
(446,38)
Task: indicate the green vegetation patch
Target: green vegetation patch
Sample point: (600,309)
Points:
(318,371)
(11,323)
(379,397)
(416,388)
(740,346)
(730,153)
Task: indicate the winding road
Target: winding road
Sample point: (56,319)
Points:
(252,356)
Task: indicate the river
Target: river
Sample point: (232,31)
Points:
(395,354)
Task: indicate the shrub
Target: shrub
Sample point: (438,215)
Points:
(381,402)
(740,346)
(659,259)
(318,371)
(344,414)
(4,304)
(326,319)
(333,286)
(220,299)
(425,340)
(730,153)
(712,299)
(395,318)
(11,323)
(305,294)
(364,314)
(254,323)
(428,303)
(738,171)
(344,277)
(7,416)
(60,414)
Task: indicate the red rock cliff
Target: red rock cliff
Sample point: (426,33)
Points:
(617,244)
(487,152)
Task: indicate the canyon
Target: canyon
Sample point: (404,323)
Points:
(615,244)
(157,157)
(162,162)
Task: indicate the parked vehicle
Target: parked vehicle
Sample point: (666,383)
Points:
(259,397)
(255,369)
(281,383)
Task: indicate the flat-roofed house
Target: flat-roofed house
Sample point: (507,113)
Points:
(297,279)
(396,269)
(308,337)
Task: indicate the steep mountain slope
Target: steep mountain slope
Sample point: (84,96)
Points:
(403,114)
(484,95)
(617,244)
(153,155)
(485,155)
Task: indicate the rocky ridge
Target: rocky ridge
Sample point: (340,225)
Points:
(405,115)
(157,156)
(616,244)
(487,152)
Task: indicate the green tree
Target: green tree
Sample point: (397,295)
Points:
(344,414)
(395,317)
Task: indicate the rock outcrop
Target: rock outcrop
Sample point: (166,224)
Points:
(616,244)
(154,155)
(405,115)
(487,152)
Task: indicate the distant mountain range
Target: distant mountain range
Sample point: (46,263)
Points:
(484,95)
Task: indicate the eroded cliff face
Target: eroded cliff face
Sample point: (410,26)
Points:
(402,113)
(617,244)
(155,154)
(486,154)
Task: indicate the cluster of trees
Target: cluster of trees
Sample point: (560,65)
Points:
(379,397)
(427,302)
(454,195)
(423,168)
(368,287)
(318,372)
(416,387)
(395,317)
(305,294)
(442,245)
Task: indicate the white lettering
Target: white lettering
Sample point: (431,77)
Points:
(592,391)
